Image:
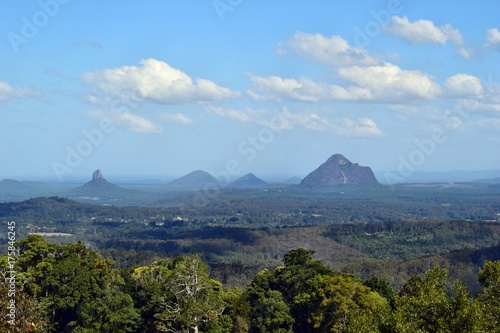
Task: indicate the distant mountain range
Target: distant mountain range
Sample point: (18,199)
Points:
(335,171)
(454,176)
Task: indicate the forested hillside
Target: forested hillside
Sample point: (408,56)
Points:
(71,288)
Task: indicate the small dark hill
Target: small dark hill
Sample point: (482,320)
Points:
(489,181)
(293,181)
(338,170)
(195,180)
(11,185)
(14,190)
(248,180)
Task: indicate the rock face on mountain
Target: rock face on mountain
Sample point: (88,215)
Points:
(195,180)
(97,174)
(248,180)
(338,170)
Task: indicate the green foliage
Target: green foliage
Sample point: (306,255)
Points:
(422,305)
(72,288)
(382,287)
(316,298)
(489,276)
(178,295)
(348,306)
(270,314)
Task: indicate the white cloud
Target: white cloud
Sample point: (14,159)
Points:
(177,118)
(465,53)
(156,81)
(362,127)
(8,92)
(246,115)
(390,83)
(493,39)
(387,83)
(486,106)
(463,85)
(310,121)
(489,124)
(302,89)
(423,31)
(127,120)
(286,120)
(333,51)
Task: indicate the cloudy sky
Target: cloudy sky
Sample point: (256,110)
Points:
(161,88)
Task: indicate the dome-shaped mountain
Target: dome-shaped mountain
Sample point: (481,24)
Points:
(248,180)
(339,170)
(194,180)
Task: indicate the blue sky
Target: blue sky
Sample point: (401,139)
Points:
(162,88)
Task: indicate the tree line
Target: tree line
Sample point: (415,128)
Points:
(71,288)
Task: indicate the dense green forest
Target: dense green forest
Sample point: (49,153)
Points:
(71,288)
(379,254)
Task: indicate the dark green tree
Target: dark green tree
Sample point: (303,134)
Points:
(270,314)
(489,276)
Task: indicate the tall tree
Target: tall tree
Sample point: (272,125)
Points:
(489,276)
(423,303)
(184,296)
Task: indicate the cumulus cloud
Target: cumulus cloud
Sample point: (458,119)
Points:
(425,31)
(386,83)
(283,120)
(333,51)
(463,85)
(8,92)
(358,128)
(157,81)
(246,114)
(493,39)
(286,120)
(390,83)
(127,120)
(302,89)
(177,118)
(488,105)
(310,121)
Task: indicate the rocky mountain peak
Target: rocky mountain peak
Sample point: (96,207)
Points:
(339,170)
(97,175)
